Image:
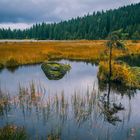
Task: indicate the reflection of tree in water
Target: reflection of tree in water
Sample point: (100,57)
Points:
(117,89)
(78,107)
(13,69)
(111,108)
(1,70)
(33,100)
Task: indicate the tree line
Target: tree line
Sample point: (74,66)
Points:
(95,26)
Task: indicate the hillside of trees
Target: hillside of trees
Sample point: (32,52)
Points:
(95,26)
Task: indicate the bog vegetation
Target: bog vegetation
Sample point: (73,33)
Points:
(13,54)
(121,74)
(16,53)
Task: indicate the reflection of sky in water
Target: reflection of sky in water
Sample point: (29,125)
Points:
(80,77)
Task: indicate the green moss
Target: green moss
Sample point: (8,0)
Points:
(11,63)
(55,71)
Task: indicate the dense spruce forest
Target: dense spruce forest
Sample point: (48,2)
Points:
(95,26)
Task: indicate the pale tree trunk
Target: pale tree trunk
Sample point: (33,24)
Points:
(110,73)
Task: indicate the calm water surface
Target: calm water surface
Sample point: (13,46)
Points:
(71,108)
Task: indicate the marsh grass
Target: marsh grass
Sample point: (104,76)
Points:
(80,108)
(13,132)
(83,106)
(36,52)
(121,73)
(4,103)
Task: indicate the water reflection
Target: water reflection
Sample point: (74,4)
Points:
(117,89)
(80,77)
(4,103)
(76,107)
(12,69)
(1,70)
(79,112)
(110,110)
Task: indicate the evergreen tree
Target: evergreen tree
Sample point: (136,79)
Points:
(96,26)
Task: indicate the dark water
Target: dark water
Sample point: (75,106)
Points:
(71,108)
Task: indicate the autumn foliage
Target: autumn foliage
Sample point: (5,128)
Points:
(36,52)
(121,73)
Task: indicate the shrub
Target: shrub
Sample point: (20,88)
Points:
(12,63)
(132,59)
(121,73)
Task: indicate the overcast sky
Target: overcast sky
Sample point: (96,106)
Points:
(23,13)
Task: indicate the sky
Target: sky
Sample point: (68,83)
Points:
(24,13)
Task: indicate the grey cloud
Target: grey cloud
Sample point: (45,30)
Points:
(30,11)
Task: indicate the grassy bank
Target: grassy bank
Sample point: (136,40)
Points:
(35,52)
(121,73)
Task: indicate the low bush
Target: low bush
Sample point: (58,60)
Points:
(121,73)
(11,63)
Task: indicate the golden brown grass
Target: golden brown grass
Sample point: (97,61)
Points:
(36,52)
(121,73)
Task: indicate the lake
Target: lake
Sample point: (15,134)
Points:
(71,108)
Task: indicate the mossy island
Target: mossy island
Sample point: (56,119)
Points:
(54,70)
